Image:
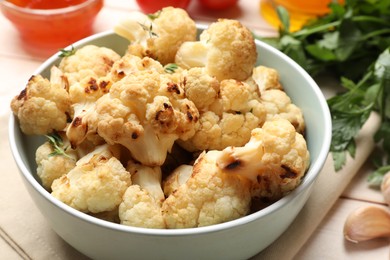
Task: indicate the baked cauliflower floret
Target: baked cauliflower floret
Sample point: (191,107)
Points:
(266,78)
(88,61)
(89,89)
(43,106)
(141,205)
(130,63)
(96,184)
(278,105)
(226,49)
(83,96)
(275,159)
(200,88)
(177,178)
(54,158)
(158,35)
(229,120)
(146,113)
(209,196)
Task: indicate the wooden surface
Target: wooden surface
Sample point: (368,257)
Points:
(327,242)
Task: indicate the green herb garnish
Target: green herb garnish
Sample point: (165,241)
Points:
(352,42)
(67,53)
(57,144)
(154,15)
(171,67)
(149,30)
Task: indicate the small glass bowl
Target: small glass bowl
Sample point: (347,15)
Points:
(45,31)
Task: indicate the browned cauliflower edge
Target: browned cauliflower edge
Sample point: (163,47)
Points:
(43,106)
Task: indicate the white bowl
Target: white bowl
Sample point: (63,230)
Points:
(237,239)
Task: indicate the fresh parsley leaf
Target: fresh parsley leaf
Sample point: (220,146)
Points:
(329,40)
(294,48)
(345,127)
(382,65)
(320,52)
(348,40)
(284,18)
(382,135)
(375,178)
(339,159)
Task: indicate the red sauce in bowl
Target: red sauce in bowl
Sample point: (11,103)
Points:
(46,4)
(45,26)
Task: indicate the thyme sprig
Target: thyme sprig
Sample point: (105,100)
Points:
(57,144)
(149,29)
(171,68)
(66,53)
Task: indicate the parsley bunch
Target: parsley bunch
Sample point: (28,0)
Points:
(353,42)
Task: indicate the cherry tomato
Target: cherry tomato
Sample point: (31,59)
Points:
(152,6)
(218,4)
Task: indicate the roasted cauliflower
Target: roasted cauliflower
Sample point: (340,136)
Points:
(83,96)
(275,159)
(226,49)
(96,184)
(141,205)
(54,158)
(158,35)
(229,119)
(278,105)
(200,88)
(177,178)
(266,78)
(276,102)
(43,106)
(145,112)
(210,196)
(88,61)
(130,63)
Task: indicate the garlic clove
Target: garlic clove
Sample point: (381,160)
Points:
(367,223)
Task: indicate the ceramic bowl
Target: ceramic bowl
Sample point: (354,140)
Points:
(237,239)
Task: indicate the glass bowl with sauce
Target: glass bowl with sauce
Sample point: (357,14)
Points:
(45,26)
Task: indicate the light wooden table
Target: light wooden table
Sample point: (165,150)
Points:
(17,65)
